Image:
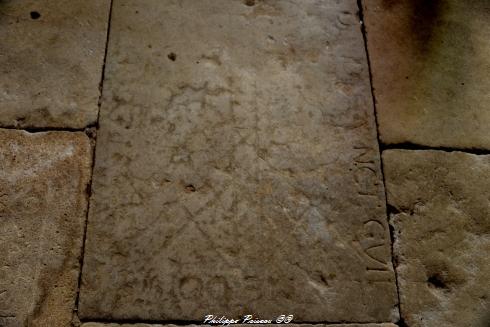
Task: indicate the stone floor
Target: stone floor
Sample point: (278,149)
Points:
(165,160)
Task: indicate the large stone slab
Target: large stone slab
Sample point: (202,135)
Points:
(430,62)
(51,58)
(43,203)
(237,166)
(442,227)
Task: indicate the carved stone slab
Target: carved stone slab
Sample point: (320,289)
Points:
(51,58)
(43,204)
(237,167)
(442,226)
(430,62)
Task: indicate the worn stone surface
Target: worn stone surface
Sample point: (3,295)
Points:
(237,167)
(442,227)
(430,63)
(43,181)
(93,324)
(51,58)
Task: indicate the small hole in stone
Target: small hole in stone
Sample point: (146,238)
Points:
(392,209)
(35,15)
(172,56)
(190,188)
(250,3)
(402,323)
(436,281)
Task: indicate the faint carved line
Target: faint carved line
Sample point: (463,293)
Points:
(207,237)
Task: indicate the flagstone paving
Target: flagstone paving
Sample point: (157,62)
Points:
(43,203)
(237,167)
(237,164)
(430,63)
(51,58)
(441,215)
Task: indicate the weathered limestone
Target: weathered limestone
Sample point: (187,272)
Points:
(51,58)
(43,203)
(430,62)
(237,167)
(442,228)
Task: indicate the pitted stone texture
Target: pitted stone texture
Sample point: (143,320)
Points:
(50,67)
(93,324)
(430,63)
(237,166)
(442,233)
(43,204)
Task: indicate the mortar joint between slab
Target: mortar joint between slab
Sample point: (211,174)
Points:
(89,130)
(102,78)
(420,147)
(49,129)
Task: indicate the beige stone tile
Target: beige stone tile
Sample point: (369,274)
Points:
(51,64)
(430,62)
(237,167)
(43,181)
(442,228)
